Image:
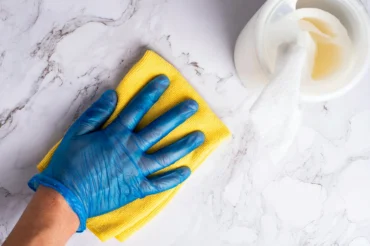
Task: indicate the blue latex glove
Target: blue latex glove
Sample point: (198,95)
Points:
(99,170)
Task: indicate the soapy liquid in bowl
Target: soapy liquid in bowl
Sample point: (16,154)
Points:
(328,55)
(335,34)
(321,33)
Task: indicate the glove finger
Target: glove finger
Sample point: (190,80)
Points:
(132,114)
(166,123)
(171,154)
(165,181)
(95,116)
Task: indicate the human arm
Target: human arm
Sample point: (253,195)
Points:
(47,220)
(98,170)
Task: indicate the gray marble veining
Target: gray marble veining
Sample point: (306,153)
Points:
(56,57)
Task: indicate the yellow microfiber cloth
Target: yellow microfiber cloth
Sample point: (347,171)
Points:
(123,222)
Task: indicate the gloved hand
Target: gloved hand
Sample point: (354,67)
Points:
(99,170)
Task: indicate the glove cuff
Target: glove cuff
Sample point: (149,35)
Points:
(69,196)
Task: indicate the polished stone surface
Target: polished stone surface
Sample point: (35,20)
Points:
(56,57)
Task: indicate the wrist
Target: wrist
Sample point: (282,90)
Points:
(68,196)
(47,220)
(52,203)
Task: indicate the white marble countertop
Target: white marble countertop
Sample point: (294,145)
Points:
(56,57)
